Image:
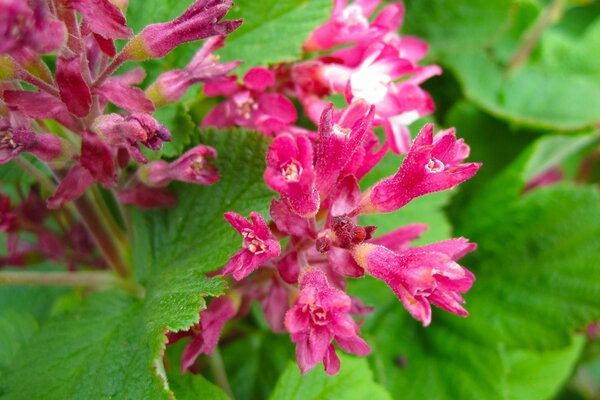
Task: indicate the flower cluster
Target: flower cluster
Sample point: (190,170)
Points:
(60,116)
(296,267)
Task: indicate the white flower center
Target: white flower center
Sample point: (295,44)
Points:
(291,171)
(251,242)
(369,86)
(434,166)
(341,132)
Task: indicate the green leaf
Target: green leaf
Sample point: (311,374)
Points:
(537,272)
(456,26)
(193,387)
(534,95)
(273,31)
(194,233)
(530,371)
(109,346)
(254,362)
(354,381)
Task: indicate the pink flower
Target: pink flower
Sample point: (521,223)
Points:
(350,23)
(205,335)
(432,164)
(45,146)
(199,21)
(127,132)
(290,223)
(290,173)
(39,105)
(320,315)
(422,275)
(22,26)
(204,67)
(338,141)
(249,105)
(98,158)
(8,220)
(259,245)
(192,167)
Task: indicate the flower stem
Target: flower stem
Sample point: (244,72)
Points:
(218,369)
(39,83)
(95,280)
(551,14)
(107,239)
(110,69)
(28,167)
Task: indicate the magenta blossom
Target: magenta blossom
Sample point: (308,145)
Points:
(290,173)
(205,335)
(421,275)
(193,167)
(432,164)
(259,245)
(127,132)
(73,89)
(24,27)
(103,18)
(320,315)
(249,105)
(45,146)
(350,23)
(204,67)
(199,21)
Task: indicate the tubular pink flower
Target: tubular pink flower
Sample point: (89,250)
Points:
(29,26)
(204,67)
(338,141)
(197,22)
(432,164)
(205,335)
(45,146)
(249,106)
(422,275)
(350,23)
(127,132)
(191,167)
(290,173)
(320,315)
(259,245)
(103,18)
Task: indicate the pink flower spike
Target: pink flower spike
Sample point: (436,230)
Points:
(420,276)
(211,324)
(339,140)
(320,315)
(74,91)
(432,164)
(191,167)
(199,21)
(259,245)
(290,173)
(103,17)
(204,67)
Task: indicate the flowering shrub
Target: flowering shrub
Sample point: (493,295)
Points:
(190,213)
